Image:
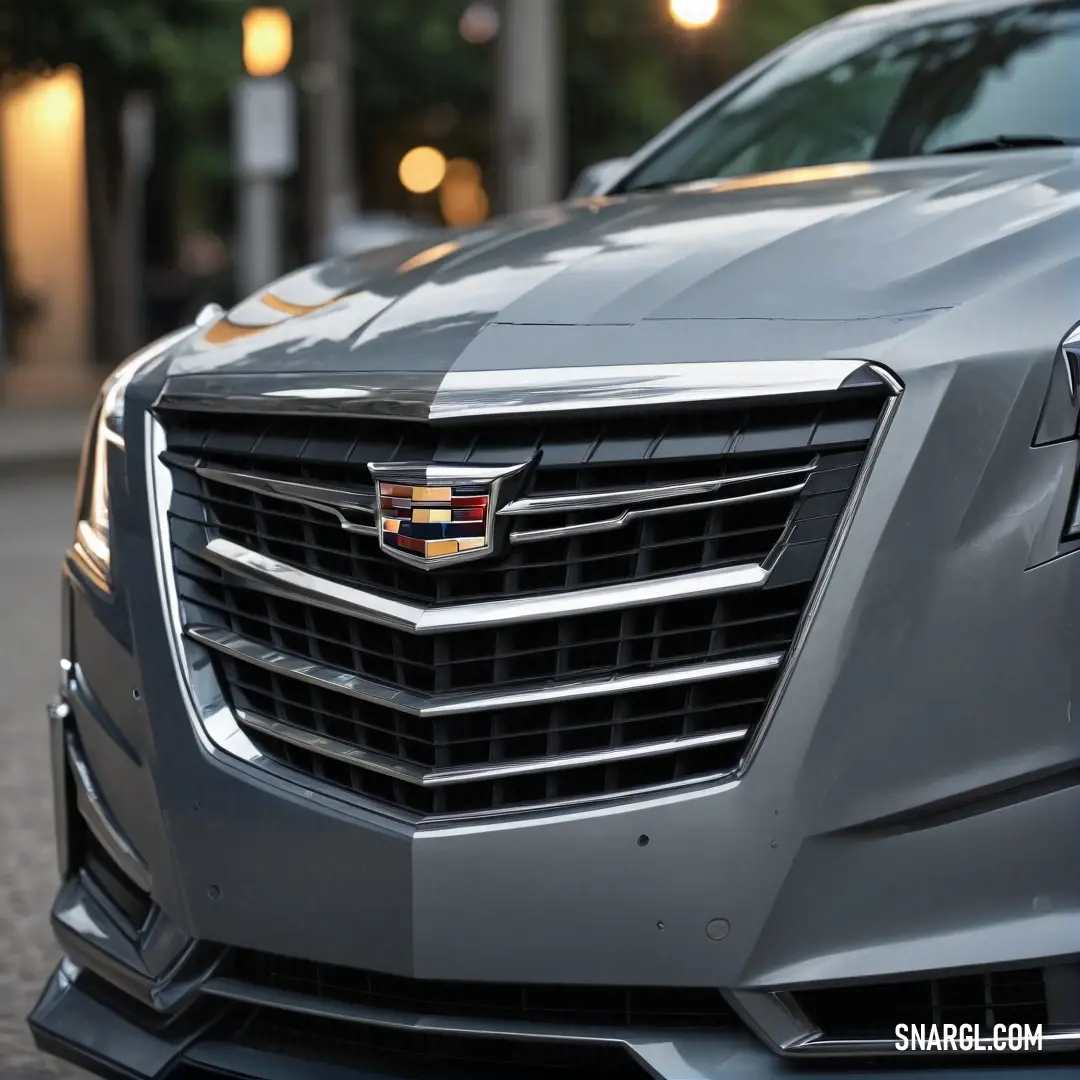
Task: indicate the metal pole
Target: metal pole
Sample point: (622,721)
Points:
(530,104)
(265,153)
(259,249)
(332,188)
(137,126)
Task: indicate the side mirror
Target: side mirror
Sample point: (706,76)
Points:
(597,177)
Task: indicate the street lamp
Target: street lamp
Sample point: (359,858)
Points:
(693,14)
(268,43)
(422,170)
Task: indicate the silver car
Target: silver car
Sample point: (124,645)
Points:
(637,638)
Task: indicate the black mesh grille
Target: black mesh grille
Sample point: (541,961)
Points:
(607,1006)
(984,999)
(380,1051)
(826,439)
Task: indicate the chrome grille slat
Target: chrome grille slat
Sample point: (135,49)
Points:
(319,497)
(593,500)
(328,747)
(353,755)
(527,536)
(330,678)
(294,584)
(632,646)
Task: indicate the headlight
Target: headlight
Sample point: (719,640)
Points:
(1060,415)
(92,528)
(1059,421)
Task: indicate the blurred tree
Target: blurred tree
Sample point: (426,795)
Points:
(632,70)
(620,67)
(416,80)
(759,26)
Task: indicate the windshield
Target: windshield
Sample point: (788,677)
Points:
(882,88)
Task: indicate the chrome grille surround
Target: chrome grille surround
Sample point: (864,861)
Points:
(239,731)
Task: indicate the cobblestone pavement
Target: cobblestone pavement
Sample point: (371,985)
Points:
(35,523)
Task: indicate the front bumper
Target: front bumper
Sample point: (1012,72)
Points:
(137,996)
(74,1021)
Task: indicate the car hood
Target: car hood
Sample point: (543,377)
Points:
(833,261)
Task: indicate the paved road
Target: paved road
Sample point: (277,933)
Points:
(35,525)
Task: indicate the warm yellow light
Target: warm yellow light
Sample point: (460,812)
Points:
(462,170)
(43,184)
(422,170)
(694,14)
(58,101)
(268,40)
(462,198)
(463,205)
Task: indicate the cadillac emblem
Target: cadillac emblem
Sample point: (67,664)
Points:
(433,515)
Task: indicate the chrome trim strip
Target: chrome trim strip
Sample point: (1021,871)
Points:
(531,536)
(824,1047)
(443,777)
(457,395)
(776,1018)
(291,583)
(393,395)
(434,475)
(329,747)
(101,822)
(331,500)
(828,565)
(470,394)
(445,824)
(417,704)
(597,500)
(430,778)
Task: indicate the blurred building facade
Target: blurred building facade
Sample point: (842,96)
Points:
(46,239)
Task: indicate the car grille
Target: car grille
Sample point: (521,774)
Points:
(628,635)
(308,988)
(392,1052)
(603,1006)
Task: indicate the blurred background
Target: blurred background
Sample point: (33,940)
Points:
(159,154)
